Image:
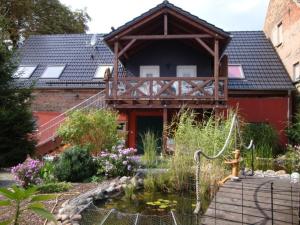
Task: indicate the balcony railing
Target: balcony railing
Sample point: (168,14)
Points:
(167,88)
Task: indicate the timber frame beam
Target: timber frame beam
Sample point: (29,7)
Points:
(166,36)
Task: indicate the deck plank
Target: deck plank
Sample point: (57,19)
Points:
(249,202)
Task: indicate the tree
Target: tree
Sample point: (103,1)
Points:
(26,17)
(16,120)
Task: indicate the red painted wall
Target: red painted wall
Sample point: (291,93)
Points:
(44,117)
(273,110)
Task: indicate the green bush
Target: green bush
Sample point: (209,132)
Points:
(150,149)
(266,144)
(97,128)
(75,165)
(293,131)
(47,172)
(54,187)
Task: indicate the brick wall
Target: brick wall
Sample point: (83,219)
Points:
(59,100)
(287,12)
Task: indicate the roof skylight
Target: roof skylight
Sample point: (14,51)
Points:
(24,71)
(235,72)
(53,71)
(101,70)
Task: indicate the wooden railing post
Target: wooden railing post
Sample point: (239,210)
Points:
(115,83)
(216,69)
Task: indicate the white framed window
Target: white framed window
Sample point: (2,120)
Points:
(278,34)
(235,71)
(24,71)
(100,72)
(296,71)
(53,71)
(186,71)
(149,71)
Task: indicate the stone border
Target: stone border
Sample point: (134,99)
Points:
(70,211)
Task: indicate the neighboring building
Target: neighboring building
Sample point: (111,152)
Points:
(282,27)
(160,61)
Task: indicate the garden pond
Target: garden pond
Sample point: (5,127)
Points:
(152,207)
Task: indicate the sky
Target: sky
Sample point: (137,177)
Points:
(230,15)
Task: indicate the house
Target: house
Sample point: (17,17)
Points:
(282,27)
(152,66)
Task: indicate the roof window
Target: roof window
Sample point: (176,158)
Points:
(24,71)
(53,71)
(235,72)
(101,70)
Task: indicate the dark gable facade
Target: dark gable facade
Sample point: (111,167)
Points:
(158,62)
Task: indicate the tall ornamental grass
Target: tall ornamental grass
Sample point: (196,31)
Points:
(209,135)
(150,149)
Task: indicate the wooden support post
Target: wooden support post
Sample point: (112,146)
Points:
(165,134)
(115,83)
(165,24)
(216,69)
(127,47)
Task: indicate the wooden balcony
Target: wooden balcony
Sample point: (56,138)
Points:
(161,90)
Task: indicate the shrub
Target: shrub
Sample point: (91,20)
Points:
(47,172)
(28,172)
(54,187)
(150,148)
(75,165)
(293,131)
(97,128)
(119,163)
(266,144)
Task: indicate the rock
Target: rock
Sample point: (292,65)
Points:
(64,203)
(61,210)
(270,173)
(51,223)
(64,217)
(285,176)
(124,179)
(295,177)
(113,184)
(280,172)
(110,189)
(76,217)
(119,188)
(259,173)
(134,182)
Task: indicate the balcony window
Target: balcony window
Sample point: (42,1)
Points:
(235,72)
(296,71)
(53,71)
(186,71)
(100,72)
(149,71)
(24,71)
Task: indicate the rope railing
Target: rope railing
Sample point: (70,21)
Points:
(234,125)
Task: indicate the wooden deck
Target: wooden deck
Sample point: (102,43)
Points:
(249,202)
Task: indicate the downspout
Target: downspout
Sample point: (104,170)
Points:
(289,108)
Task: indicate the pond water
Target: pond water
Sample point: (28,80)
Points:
(153,208)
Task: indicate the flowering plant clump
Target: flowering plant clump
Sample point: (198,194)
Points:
(28,172)
(120,162)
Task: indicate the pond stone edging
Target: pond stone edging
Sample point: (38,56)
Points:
(70,211)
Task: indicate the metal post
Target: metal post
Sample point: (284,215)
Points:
(242,202)
(292,204)
(137,219)
(272,215)
(252,161)
(215,205)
